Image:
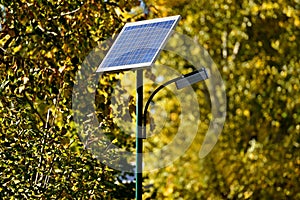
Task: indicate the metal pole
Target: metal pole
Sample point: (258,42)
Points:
(139,138)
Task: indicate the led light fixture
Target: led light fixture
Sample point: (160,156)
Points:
(191,78)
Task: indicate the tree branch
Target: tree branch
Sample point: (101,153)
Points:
(32,107)
(64,14)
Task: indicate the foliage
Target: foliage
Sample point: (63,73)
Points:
(42,45)
(256,47)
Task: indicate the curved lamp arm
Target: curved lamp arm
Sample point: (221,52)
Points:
(181,82)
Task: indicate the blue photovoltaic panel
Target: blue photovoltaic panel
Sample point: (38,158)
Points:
(138,44)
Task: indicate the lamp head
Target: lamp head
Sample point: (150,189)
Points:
(191,78)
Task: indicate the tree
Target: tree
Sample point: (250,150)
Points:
(255,45)
(43,44)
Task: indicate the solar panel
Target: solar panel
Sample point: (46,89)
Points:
(138,44)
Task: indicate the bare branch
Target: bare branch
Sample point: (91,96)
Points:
(64,14)
(71,12)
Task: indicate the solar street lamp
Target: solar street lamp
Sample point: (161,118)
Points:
(136,47)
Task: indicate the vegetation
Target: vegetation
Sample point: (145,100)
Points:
(43,44)
(255,45)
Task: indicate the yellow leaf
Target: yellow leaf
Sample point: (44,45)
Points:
(48,54)
(16,49)
(297,21)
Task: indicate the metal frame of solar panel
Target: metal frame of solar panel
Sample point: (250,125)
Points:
(138,44)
